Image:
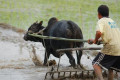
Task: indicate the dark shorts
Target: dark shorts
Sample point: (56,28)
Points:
(107,61)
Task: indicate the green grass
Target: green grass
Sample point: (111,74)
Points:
(22,13)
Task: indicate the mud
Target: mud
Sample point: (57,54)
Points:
(22,60)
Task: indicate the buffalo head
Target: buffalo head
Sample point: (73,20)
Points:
(34,28)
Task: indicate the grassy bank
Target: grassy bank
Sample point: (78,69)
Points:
(22,13)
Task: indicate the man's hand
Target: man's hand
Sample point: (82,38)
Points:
(99,42)
(90,41)
(97,36)
(95,42)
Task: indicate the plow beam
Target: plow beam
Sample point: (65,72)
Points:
(73,49)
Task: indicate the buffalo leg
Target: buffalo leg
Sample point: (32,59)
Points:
(79,55)
(71,59)
(47,54)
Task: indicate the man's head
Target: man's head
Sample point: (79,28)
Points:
(103,11)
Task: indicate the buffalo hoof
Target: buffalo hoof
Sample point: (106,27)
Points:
(80,67)
(50,63)
(75,67)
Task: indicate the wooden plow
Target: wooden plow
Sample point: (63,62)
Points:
(76,74)
(70,74)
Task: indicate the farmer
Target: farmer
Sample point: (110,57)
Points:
(109,34)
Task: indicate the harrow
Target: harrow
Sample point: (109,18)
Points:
(74,74)
(82,74)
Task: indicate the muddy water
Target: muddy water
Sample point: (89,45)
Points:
(16,58)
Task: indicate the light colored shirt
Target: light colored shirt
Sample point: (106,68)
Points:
(110,36)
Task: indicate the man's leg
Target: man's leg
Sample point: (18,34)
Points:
(110,74)
(98,71)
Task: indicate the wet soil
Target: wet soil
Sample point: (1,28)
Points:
(18,57)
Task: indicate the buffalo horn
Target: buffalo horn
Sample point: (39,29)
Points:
(41,31)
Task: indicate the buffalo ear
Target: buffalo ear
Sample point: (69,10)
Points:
(41,22)
(36,21)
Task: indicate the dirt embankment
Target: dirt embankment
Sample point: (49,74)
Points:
(7,26)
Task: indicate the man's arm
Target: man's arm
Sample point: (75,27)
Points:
(97,36)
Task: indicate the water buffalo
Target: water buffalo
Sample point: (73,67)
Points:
(55,28)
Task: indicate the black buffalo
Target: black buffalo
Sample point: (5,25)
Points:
(55,28)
